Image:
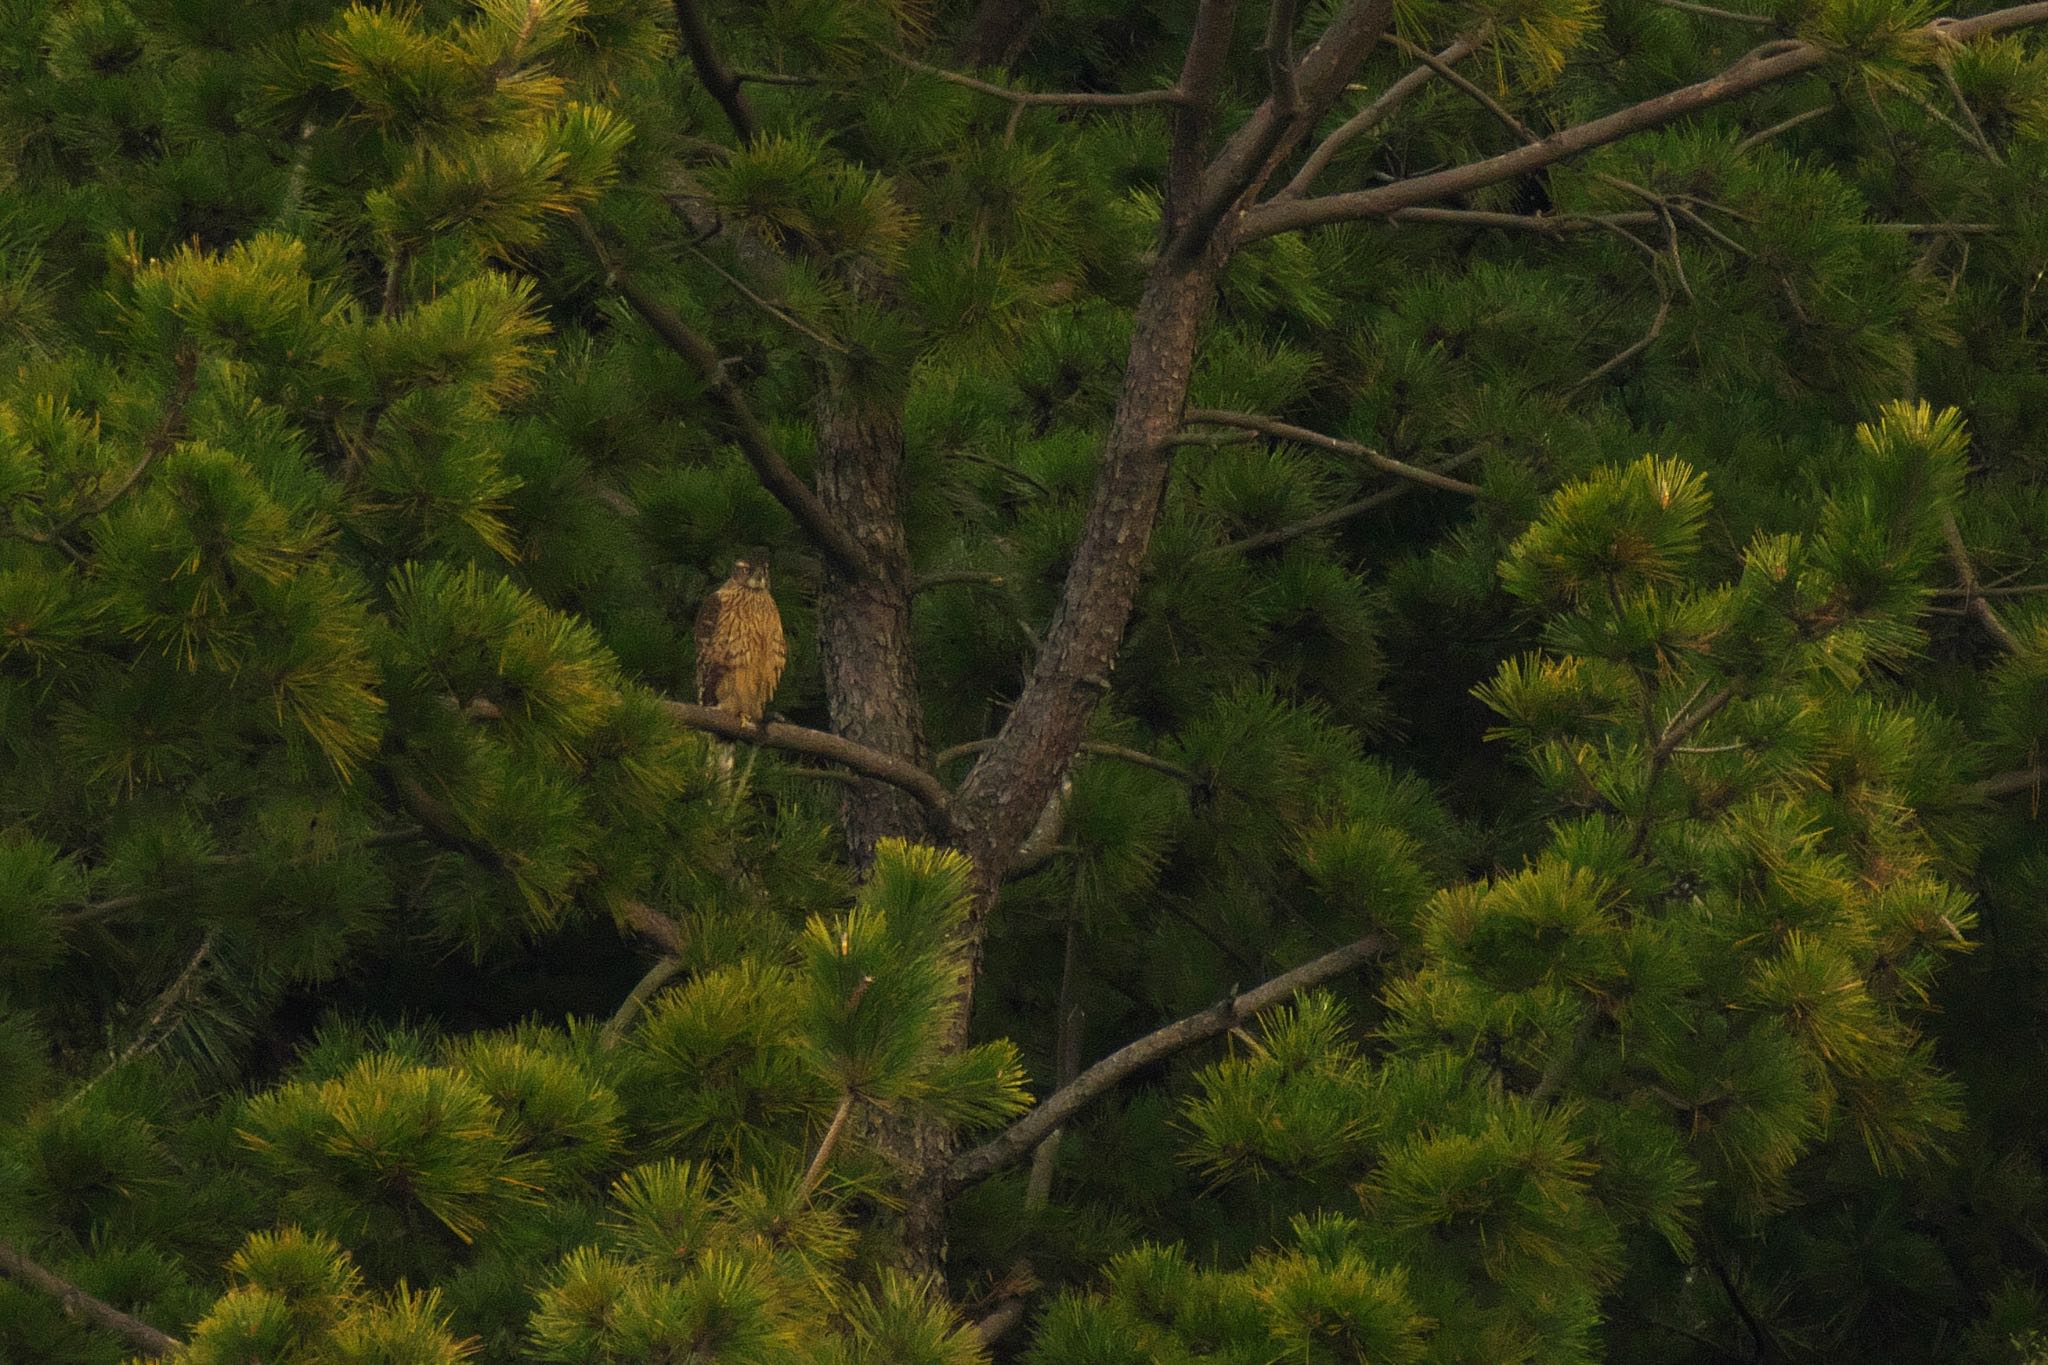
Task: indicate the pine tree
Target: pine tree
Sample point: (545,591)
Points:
(1415,655)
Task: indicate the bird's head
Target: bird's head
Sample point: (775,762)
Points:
(751,572)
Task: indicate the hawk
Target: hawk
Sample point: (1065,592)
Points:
(740,650)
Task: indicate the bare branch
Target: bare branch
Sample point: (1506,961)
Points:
(140,1336)
(712,70)
(2008,784)
(1099,1079)
(1766,65)
(1758,138)
(832,748)
(1336,516)
(816,1170)
(753,440)
(1973,595)
(1036,98)
(1469,88)
(949,577)
(154,447)
(1634,348)
(1376,113)
(660,974)
(147,1038)
(1733,17)
(1135,757)
(1287,431)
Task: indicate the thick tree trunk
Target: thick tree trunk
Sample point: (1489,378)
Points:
(864,622)
(1004,795)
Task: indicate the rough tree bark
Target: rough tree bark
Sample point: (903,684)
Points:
(864,618)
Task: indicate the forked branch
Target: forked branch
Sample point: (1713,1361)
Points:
(1765,65)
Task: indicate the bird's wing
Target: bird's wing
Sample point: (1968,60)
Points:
(778,645)
(710,666)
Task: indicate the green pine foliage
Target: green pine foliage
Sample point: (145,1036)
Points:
(1676,742)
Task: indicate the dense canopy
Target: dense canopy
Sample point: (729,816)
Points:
(1417,672)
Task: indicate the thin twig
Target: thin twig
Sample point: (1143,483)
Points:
(1287,431)
(1761,136)
(1068,100)
(147,1039)
(1336,516)
(949,577)
(1376,113)
(787,319)
(816,1172)
(774,472)
(1445,70)
(1732,16)
(1135,757)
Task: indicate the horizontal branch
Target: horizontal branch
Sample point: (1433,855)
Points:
(796,739)
(1136,757)
(1098,1080)
(1287,431)
(773,471)
(140,1336)
(1765,65)
(2008,784)
(1037,98)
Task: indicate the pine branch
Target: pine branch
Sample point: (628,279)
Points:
(1031,99)
(1973,595)
(1295,106)
(1733,17)
(1765,65)
(139,1335)
(147,1039)
(816,1171)
(1099,1079)
(1336,516)
(1376,113)
(1136,757)
(2008,784)
(949,577)
(657,976)
(773,471)
(1287,431)
(832,748)
(1757,139)
(1471,90)
(714,73)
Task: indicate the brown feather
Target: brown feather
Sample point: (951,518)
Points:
(740,650)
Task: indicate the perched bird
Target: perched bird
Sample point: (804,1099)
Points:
(740,650)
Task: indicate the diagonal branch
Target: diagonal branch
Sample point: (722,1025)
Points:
(1098,1080)
(1376,113)
(796,739)
(774,472)
(1036,98)
(711,69)
(1336,516)
(140,1336)
(1287,431)
(1765,65)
